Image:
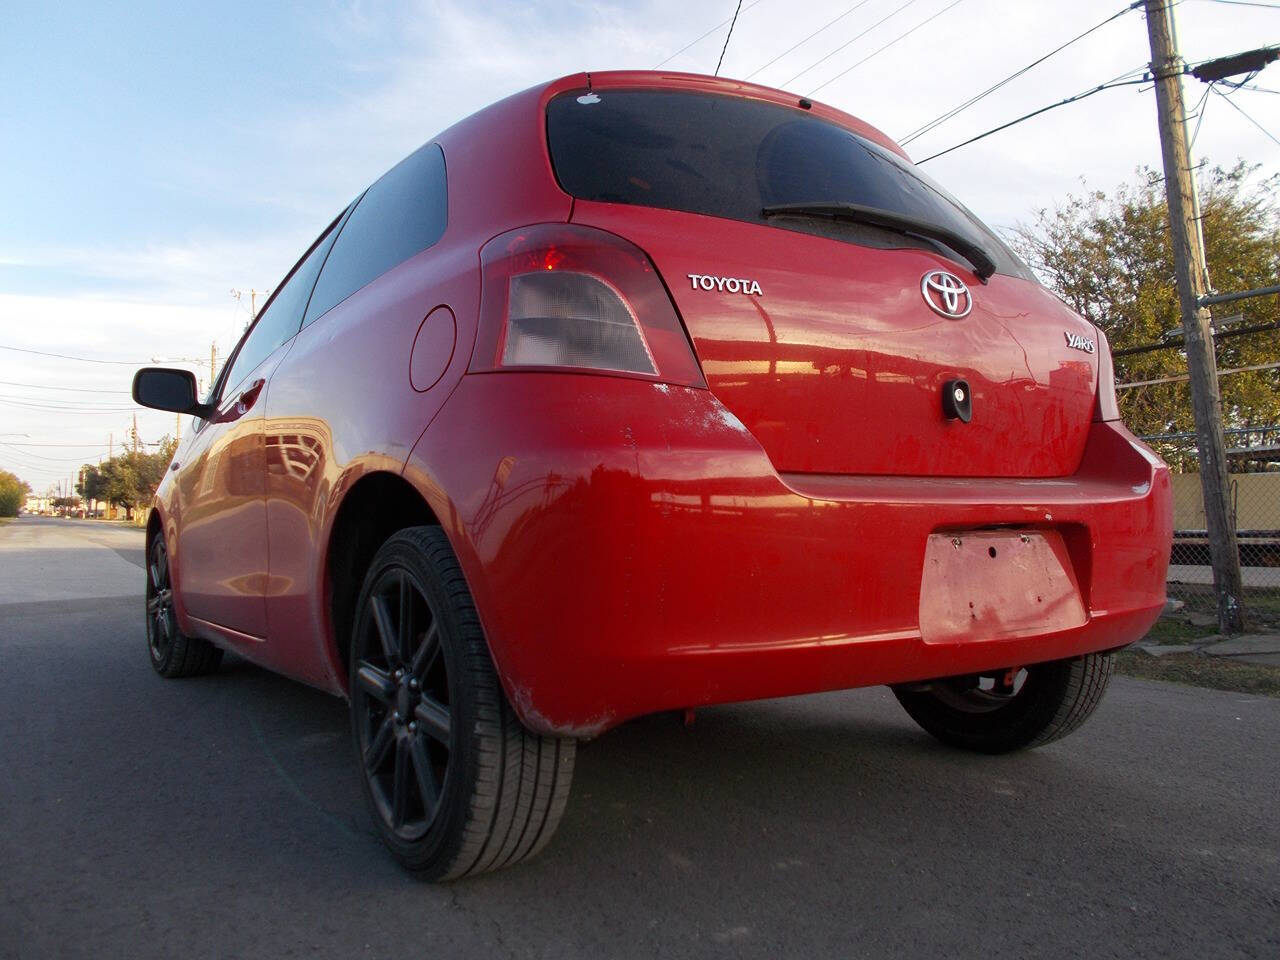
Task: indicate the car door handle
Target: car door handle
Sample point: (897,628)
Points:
(248,397)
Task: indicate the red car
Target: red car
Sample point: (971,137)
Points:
(638,392)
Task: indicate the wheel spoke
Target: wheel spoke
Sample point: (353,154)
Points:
(155,574)
(425,656)
(153,605)
(376,683)
(426,775)
(400,784)
(377,750)
(433,719)
(405,625)
(386,634)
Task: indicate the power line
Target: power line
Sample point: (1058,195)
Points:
(894,13)
(701,38)
(63,356)
(23,443)
(861,3)
(43,386)
(959,108)
(37,456)
(1201,108)
(1035,113)
(876,53)
(20,443)
(1248,3)
(732,23)
(1265,132)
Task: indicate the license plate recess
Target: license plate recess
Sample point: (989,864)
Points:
(982,585)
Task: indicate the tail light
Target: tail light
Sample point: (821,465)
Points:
(566,297)
(1106,407)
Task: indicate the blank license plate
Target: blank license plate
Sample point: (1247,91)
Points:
(997,584)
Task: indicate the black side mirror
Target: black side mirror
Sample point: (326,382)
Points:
(164,388)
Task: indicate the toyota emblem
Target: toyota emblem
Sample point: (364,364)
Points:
(946,294)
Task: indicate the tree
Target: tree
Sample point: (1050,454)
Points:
(1110,259)
(13,493)
(128,480)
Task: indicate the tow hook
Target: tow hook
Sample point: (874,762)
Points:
(1004,682)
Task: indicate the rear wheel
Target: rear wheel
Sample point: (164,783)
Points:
(1002,712)
(455,783)
(173,654)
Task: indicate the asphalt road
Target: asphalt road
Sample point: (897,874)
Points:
(221,817)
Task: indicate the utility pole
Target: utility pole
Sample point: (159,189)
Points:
(135,433)
(213,363)
(1193,284)
(111,445)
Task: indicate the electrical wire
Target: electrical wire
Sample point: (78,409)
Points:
(1248,3)
(960,108)
(1265,132)
(702,37)
(43,386)
(876,53)
(829,23)
(732,24)
(1201,108)
(19,443)
(63,356)
(887,16)
(1035,113)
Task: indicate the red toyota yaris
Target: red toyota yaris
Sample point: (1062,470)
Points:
(639,392)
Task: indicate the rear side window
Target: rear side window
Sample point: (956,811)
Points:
(281,318)
(730,157)
(402,214)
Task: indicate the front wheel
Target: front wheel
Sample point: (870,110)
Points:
(173,654)
(454,781)
(998,713)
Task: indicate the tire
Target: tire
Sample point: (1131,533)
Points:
(455,783)
(1049,701)
(172,653)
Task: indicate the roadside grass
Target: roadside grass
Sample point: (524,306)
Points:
(1196,669)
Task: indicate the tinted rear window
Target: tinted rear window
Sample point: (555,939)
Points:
(731,157)
(402,214)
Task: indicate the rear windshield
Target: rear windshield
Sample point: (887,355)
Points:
(730,157)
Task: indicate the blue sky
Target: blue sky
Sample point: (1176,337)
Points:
(156,155)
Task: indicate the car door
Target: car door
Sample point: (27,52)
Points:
(222,531)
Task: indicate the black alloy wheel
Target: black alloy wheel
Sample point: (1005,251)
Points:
(1009,710)
(161,622)
(456,785)
(172,653)
(401,704)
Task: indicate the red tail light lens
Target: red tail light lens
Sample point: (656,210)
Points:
(1106,407)
(564,297)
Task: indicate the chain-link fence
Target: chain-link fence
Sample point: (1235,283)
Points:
(1253,456)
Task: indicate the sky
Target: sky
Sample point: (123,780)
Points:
(156,157)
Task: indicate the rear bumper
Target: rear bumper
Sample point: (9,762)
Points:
(631,549)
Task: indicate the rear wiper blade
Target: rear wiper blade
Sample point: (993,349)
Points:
(984,264)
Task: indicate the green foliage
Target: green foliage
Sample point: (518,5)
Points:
(13,493)
(1109,258)
(128,480)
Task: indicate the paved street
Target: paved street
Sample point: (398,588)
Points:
(221,817)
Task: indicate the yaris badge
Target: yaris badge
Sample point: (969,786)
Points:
(1077,342)
(946,294)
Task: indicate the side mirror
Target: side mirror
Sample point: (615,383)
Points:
(163,388)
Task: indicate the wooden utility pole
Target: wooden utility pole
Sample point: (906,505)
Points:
(135,433)
(1193,284)
(213,363)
